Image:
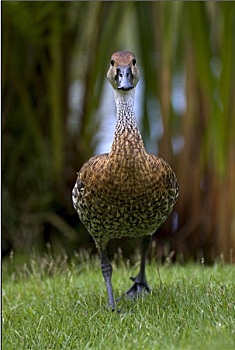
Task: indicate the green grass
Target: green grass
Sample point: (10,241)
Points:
(53,304)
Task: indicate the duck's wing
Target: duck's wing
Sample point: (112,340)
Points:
(88,175)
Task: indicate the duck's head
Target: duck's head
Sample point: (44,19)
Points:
(123,73)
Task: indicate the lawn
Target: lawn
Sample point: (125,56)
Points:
(56,304)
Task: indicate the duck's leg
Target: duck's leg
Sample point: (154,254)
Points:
(107,270)
(140,283)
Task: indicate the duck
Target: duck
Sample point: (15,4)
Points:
(126,192)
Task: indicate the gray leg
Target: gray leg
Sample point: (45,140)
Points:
(107,273)
(140,283)
(145,245)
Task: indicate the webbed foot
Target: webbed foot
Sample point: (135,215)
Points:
(138,289)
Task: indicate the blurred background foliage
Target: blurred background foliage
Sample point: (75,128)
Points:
(54,61)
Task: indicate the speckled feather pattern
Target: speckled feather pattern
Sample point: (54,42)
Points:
(126,192)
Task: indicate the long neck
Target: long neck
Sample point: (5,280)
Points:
(127,135)
(125,110)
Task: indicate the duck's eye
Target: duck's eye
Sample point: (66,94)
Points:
(134,61)
(112,62)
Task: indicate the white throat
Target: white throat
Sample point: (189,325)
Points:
(125,109)
(125,100)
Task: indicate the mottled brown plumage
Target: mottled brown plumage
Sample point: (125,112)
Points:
(126,192)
